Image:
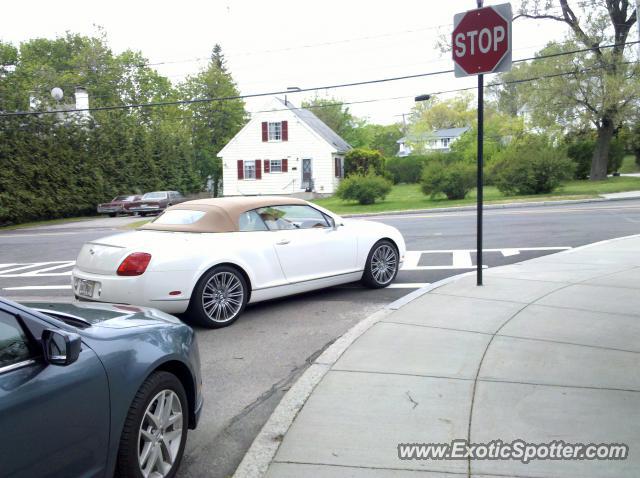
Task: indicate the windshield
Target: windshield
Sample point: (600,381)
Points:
(155,196)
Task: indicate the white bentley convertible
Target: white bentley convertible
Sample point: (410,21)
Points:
(210,257)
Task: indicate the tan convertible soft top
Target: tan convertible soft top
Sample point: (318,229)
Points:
(221,214)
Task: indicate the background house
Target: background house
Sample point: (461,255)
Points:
(439,140)
(283,150)
(58,104)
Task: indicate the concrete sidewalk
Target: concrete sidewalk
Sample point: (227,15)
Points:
(548,349)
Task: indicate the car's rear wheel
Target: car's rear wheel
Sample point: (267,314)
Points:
(155,430)
(382,265)
(112,214)
(219,298)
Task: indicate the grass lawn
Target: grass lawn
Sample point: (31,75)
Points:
(629,165)
(46,222)
(408,196)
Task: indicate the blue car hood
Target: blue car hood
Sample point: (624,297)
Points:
(113,316)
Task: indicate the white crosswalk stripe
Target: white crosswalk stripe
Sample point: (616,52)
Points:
(458,259)
(36,269)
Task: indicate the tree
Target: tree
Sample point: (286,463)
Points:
(600,88)
(334,114)
(363,161)
(434,114)
(213,123)
(384,138)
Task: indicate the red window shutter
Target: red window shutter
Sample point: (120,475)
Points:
(285,131)
(285,165)
(267,166)
(265,131)
(258,169)
(240,169)
(336,165)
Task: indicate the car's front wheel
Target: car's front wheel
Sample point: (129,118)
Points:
(219,298)
(382,265)
(155,430)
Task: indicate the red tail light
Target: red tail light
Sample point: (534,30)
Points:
(134,264)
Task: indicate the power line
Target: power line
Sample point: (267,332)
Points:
(282,92)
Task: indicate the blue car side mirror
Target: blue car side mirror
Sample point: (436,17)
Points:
(59,347)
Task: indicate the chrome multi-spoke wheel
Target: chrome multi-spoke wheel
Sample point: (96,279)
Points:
(155,430)
(382,265)
(219,297)
(160,435)
(222,296)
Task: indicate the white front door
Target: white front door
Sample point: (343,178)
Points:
(308,247)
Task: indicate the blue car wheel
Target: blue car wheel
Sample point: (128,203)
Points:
(155,431)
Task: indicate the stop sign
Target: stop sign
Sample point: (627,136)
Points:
(482,40)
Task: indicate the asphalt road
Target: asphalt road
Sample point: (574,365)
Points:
(249,366)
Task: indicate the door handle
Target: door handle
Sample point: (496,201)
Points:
(283,242)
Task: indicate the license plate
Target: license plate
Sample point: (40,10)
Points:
(85,287)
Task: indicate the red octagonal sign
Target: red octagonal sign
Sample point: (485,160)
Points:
(482,40)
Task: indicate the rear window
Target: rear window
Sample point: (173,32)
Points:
(179,217)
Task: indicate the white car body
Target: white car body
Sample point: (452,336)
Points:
(275,263)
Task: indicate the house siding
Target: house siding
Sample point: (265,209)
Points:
(302,143)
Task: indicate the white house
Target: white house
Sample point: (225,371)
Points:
(81,103)
(283,150)
(439,140)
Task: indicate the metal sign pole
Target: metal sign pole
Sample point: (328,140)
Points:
(480,178)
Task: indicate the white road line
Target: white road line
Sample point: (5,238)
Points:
(407,285)
(60,265)
(39,287)
(40,272)
(462,260)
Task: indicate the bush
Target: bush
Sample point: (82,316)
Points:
(531,166)
(580,150)
(453,178)
(407,169)
(363,188)
(363,161)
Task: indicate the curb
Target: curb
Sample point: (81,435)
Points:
(509,205)
(257,459)
(265,446)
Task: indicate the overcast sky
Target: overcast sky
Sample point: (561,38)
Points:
(272,45)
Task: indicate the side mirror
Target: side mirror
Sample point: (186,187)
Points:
(332,223)
(60,348)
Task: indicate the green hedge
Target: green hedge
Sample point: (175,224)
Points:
(52,169)
(364,188)
(530,165)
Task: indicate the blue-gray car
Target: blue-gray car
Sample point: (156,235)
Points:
(95,390)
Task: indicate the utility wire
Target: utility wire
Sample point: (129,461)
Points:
(301,90)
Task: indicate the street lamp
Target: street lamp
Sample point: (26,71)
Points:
(422,98)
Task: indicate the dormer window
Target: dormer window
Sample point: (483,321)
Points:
(275,131)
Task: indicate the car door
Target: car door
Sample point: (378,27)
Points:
(54,420)
(307,244)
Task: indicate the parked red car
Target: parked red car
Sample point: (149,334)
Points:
(119,205)
(156,202)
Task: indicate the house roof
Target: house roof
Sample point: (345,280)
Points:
(439,133)
(317,125)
